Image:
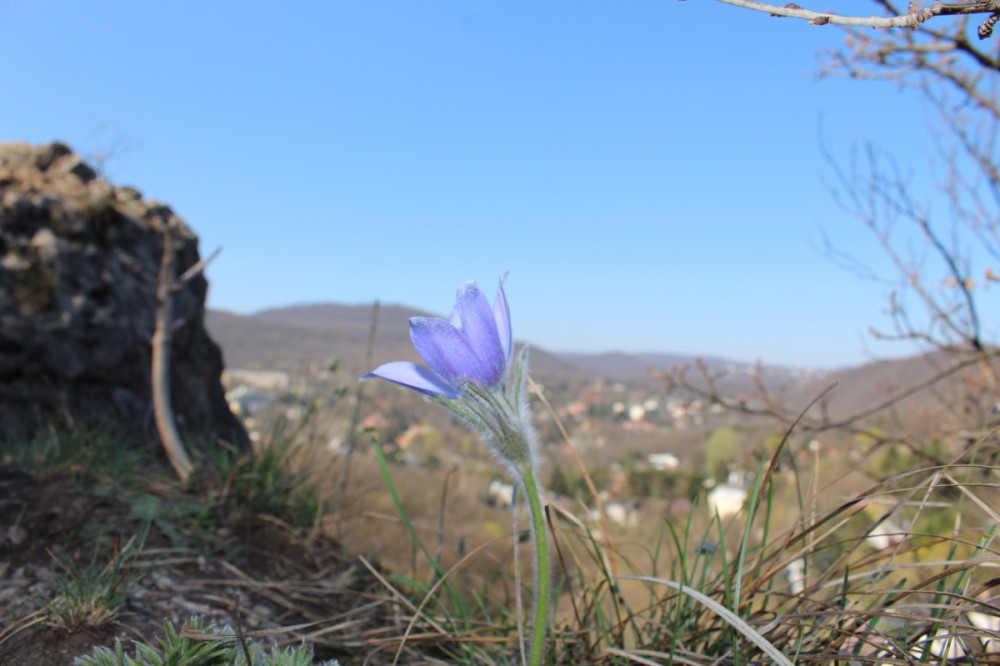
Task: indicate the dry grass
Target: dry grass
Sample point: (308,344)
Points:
(635,593)
(687,588)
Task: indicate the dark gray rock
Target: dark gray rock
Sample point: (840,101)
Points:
(79,263)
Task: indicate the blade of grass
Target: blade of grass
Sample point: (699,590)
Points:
(453,594)
(430,594)
(731,618)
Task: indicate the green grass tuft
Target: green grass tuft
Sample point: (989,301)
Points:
(90,596)
(198,646)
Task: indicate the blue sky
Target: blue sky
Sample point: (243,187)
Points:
(649,172)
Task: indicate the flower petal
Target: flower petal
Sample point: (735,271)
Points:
(414,376)
(480,328)
(501,315)
(448,352)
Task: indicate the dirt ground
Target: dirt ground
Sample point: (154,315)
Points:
(257,574)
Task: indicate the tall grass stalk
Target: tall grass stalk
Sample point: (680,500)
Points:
(458,602)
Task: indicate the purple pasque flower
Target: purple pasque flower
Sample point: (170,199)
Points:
(473,346)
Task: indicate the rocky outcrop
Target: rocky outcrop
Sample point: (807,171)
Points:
(79,263)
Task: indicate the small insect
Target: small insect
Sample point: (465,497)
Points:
(986,29)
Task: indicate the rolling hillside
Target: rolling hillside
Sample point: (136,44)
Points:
(292,338)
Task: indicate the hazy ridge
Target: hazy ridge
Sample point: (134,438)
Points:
(294,338)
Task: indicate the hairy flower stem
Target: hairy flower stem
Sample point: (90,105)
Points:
(541,543)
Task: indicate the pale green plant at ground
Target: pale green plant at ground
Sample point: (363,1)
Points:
(102,451)
(136,496)
(218,647)
(89,596)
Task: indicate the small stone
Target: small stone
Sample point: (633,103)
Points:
(45,243)
(191,607)
(163,582)
(43,573)
(16,535)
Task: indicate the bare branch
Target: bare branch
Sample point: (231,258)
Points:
(937,265)
(197,269)
(878,196)
(772,406)
(911,19)
(162,407)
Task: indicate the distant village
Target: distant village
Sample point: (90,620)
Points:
(646,449)
(592,413)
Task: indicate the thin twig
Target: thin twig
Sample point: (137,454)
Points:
(198,268)
(352,431)
(239,630)
(583,470)
(911,19)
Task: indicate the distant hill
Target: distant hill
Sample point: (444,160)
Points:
(291,338)
(294,338)
(864,386)
(620,366)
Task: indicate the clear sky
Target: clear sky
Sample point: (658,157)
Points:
(650,171)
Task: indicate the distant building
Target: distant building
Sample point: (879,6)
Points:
(501,494)
(375,421)
(617,512)
(413,432)
(726,500)
(795,573)
(885,535)
(664,461)
(268,380)
(246,399)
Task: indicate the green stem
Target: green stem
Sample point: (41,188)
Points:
(541,540)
